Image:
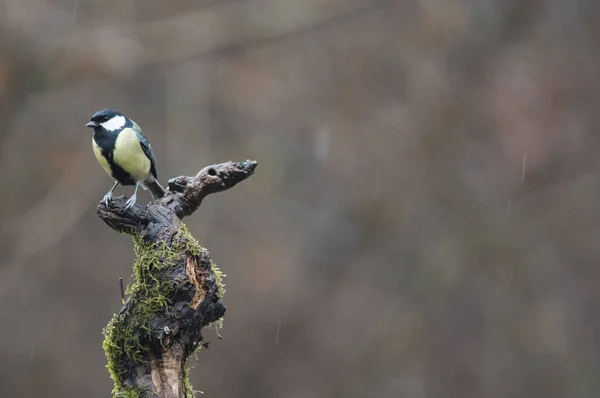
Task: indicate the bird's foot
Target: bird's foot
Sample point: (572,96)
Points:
(131,201)
(107,198)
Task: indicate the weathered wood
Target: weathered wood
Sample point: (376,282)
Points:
(177,288)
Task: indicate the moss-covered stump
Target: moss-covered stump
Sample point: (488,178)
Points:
(177,289)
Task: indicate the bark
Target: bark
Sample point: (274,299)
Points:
(177,289)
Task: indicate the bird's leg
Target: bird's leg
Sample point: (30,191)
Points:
(133,198)
(109,195)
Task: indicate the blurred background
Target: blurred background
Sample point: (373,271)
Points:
(423,222)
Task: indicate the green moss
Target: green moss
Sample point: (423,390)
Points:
(193,247)
(189,390)
(219,275)
(130,392)
(128,332)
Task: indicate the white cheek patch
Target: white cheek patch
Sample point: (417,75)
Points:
(115,123)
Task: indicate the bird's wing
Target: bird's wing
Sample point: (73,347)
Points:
(146,148)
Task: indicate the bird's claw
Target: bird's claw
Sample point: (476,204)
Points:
(107,199)
(130,202)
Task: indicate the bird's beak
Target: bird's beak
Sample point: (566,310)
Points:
(92,124)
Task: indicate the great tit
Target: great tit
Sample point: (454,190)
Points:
(124,153)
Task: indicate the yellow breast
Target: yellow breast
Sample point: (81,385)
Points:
(103,162)
(130,156)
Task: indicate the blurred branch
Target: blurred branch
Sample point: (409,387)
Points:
(124,48)
(177,290)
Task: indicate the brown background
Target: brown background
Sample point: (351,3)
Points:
(423,221)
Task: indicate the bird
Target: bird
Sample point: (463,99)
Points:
(124,153)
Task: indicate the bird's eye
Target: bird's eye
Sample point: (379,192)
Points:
(105,118)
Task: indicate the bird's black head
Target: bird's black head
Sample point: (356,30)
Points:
(107,119)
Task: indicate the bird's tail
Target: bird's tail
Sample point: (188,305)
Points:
(157,190)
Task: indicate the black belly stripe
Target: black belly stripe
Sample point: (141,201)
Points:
(119,174)
(106,143)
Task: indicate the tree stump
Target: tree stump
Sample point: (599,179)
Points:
(177,288)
